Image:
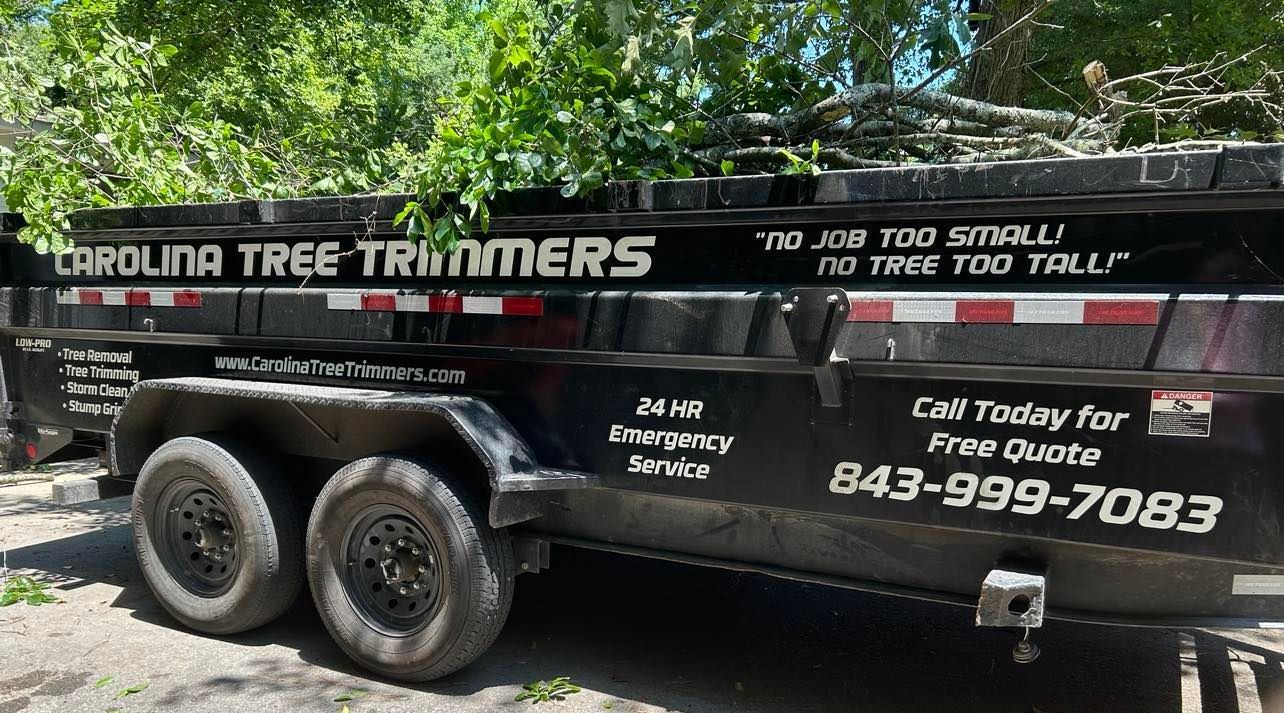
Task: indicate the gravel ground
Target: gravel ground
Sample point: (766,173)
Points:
(638,635)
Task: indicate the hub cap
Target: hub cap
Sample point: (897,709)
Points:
(393,571)
(197,538)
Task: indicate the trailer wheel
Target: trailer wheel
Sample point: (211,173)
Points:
(217,536)
(410,579)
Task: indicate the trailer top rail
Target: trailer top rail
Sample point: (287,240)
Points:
(1230,168)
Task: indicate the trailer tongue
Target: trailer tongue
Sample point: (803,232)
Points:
(1037,389)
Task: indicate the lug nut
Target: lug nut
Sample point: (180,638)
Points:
(226,532)
(205,514)
(415,585)
(414,550)
(403,590)
(226,548)
(387,548)
(401,542)
(218,556)
(422,569)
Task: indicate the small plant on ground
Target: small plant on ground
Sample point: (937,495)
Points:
(544,691)
(20,589)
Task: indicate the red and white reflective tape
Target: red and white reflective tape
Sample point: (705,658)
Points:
(129,297)
(1136,311)
(444,303)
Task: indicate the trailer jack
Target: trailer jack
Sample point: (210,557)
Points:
(1014,598)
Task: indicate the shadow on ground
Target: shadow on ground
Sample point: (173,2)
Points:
(694,639)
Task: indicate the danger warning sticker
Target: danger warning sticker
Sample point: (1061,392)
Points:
(1181,413)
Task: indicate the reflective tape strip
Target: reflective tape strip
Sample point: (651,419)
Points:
(1120,312)
(1006,311)
(1048,312)
(923,311)
(442,303)
(129,298)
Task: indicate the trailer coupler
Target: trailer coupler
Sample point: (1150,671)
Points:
(1014,598)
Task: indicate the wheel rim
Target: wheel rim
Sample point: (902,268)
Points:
(198,537)
(393,571)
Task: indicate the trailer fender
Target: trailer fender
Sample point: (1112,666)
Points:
(318,420)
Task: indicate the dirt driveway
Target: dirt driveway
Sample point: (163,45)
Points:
(639,635)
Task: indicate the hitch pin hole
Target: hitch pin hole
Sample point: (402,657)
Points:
(1018,605)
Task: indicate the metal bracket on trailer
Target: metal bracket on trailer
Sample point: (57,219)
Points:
(814,317)
(1013,595)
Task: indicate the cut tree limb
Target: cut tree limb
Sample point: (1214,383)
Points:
(866,97)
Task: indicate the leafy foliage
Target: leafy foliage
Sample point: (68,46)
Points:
(1133,36)
(625,89)
(545,691)
(245,100)
(26,589)
(335,79)
(118,142)
(261,99)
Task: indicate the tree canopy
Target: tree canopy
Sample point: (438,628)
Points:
(197,100)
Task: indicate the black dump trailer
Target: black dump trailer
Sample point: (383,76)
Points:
(1034,389)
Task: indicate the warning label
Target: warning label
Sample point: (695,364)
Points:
(1181,413)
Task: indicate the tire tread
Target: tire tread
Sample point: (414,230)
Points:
(494,571)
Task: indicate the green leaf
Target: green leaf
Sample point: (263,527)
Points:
(404,213)
(978,16)
(131,690)
(418,224)
(620,15)
(631,65)
(565,117)
(728,167)
(351,695)
(441,227)
(104,681)
(683,45)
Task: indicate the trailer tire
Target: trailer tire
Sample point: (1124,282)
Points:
(218,538)
(409,577)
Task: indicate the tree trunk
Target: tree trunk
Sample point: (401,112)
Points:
(998,74)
